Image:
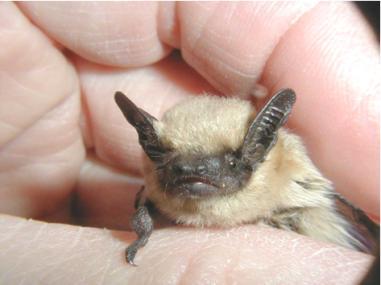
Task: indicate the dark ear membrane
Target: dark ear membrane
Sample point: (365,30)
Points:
(143,123)
(262,133)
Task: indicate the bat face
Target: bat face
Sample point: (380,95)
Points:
(202,176)
(204,153)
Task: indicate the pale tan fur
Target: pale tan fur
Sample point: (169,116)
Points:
(206,124)
(286,187)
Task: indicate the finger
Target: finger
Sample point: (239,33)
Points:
(58,254)
(230,43)
(119,33)
(38,170)
(25,67)
(333,66)
(104,196)
(41,148)
(152,88)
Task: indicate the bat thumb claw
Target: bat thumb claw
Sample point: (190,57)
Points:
(132,263)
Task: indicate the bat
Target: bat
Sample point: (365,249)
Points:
(215,161)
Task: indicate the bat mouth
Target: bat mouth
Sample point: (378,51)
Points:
(195,186)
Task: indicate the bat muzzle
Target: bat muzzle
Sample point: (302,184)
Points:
(194,187)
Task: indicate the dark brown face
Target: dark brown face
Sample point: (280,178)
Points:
(203,176)
(199,176)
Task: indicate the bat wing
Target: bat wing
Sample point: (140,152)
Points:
(365,230)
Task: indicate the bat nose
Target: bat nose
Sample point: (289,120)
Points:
(201,169)
(182,168)
(186,168)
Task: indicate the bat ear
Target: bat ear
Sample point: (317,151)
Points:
(262,133)
(143,123)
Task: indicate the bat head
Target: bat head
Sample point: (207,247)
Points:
(209,145)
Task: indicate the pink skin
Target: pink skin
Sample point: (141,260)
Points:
(54,143)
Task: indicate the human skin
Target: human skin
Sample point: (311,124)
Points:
(67,155)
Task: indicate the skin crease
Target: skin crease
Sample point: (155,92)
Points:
(45,129)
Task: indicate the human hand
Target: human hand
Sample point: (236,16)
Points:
(67,160)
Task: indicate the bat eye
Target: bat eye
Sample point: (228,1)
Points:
(231,160)
(232,164)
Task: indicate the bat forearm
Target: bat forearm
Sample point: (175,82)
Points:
(142,224)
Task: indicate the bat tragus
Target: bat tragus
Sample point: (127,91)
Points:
(212,161)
